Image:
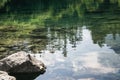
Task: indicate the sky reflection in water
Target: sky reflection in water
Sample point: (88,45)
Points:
(69,52)
(87,61)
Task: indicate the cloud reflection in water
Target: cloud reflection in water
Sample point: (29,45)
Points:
(81,63)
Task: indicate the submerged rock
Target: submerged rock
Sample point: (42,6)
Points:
(21,63)
(5,76)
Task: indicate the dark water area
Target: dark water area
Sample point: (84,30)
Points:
(25,76)
(76,39)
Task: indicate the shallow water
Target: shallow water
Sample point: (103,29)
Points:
(75,39)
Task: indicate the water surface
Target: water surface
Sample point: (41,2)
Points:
(81,60)
(77,40)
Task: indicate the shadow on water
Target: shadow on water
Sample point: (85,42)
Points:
(26,76)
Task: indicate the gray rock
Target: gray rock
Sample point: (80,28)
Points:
(21,63)
(5,76)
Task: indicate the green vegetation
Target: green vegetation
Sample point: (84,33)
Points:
(34,13)
(24,21)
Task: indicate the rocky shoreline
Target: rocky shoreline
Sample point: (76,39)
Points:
(20,62)
(4,76)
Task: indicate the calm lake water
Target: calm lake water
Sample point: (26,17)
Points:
(76,40)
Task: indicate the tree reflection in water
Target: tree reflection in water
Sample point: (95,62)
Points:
(61,26)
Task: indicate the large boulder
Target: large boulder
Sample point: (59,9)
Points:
(5,76)
(21,62)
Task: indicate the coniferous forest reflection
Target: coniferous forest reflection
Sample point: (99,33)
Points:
(36,26)
(27,19)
